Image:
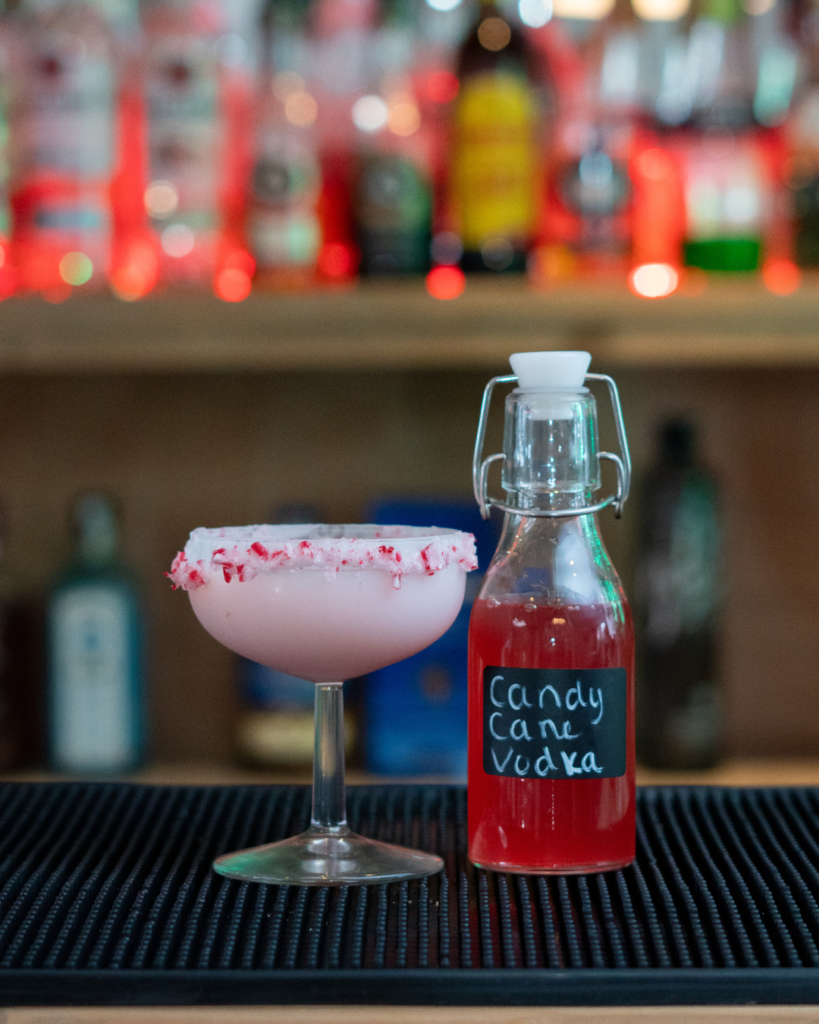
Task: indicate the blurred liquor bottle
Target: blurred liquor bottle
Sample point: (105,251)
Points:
(239,52)
(728,189)
(96,700)
(343,54)
(803,138)
(8,40)
(134,257)
(679,698)
(21,679)
(284,215)
(393,189)
(593,179)
(274,727)
(658,219)
(64,132)
(198,118)
(496,154)
(585,228)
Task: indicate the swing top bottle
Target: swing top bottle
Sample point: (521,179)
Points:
(551,644)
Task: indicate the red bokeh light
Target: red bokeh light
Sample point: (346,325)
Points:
(446,282)
(136,271)
(781,277)
(240,259)
(337,260)
(232,284)
(442,86)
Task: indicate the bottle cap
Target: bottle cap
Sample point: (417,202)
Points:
(559,371)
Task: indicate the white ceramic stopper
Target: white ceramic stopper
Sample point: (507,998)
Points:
(558,371)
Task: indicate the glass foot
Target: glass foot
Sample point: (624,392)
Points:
(327,857)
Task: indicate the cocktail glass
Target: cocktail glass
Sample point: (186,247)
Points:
(326,603)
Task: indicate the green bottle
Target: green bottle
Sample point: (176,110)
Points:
(677,609)
(392,199)
(725,180)
(95,681)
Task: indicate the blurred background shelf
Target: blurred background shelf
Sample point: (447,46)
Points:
(399,327)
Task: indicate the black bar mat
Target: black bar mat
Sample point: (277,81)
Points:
(107,898)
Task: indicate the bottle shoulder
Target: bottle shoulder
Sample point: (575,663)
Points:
(114,578)
(556,562)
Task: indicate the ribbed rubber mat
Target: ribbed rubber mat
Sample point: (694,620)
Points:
(107,896)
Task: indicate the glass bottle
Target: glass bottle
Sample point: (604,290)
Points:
(63,133)
(727,182)
(677,609)
(495,159)
(551,643)
(393,191)
(187,137)
(95,687)
(285,195)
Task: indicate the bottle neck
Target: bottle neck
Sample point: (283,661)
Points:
(550,450)
(97,532)
(551,500)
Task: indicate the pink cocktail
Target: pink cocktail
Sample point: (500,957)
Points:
(326,603)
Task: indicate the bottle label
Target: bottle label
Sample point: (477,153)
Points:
(495,159)
(546,723)
(93,713)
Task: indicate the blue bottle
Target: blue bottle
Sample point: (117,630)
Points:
(415,710)
(95,681)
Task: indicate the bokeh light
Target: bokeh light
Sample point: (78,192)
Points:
(178,240)
(442,86)
(583,10)
(337,260)
(653,280)
(660,10)
(301,109)
(137,272)
(781,277)
(76,268)
(535,13)
(232,284)
(446,282)
(403,117)
(161,199)
(494,34)
(370,113)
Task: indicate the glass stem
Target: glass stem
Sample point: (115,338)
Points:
(329,805)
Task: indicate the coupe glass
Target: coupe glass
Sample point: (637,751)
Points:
(326,603)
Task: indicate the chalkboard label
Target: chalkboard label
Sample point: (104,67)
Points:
(554,723)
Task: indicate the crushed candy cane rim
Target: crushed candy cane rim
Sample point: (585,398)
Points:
(242,552)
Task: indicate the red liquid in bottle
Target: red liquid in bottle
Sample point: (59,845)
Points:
(549,825)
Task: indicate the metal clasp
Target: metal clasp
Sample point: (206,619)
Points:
(622,462)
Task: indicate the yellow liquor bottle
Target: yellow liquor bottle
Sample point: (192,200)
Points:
(495,159)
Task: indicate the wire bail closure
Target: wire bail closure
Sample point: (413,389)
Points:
(622,462)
